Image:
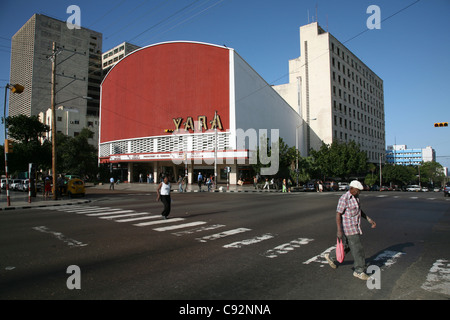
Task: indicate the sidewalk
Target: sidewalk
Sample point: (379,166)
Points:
(19,200)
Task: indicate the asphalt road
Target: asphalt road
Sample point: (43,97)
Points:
(223,246)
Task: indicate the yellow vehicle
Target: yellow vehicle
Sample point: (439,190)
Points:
(75,187)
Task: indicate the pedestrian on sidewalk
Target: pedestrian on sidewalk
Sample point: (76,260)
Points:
(47,188)
(111,183)
(163,193)
(185,182)
(200,181)
(348,221)
(180,183)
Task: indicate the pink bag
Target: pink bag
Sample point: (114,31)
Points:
(340,250)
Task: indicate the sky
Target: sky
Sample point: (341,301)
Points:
(410,52)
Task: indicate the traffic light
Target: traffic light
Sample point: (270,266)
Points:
(168,130)
(17,88)
(8,146)
(441,124)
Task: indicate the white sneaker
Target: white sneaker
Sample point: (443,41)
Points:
(362,275)
(330,262)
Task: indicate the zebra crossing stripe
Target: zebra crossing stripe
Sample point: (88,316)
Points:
(201,229)
(320,258)
(239,244)
(143,224)
(438,278)
(125,215)
(387,258)
(285,248)
(109,213)
(137,219)
(83,210)
(180,226)
(222,234)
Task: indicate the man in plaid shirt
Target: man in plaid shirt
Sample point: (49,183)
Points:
(348,220)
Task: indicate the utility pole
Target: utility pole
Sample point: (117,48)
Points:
(53,93)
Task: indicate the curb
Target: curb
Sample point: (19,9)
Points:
(43,205)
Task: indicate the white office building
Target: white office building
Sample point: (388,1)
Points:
(338,96)
(401,155)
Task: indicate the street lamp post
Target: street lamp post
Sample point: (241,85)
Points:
(17,88)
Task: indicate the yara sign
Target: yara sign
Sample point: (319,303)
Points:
(183,149)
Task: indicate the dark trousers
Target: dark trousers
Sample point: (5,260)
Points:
(354,245)
(166,202)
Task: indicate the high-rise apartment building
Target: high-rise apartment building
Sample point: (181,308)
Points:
(338,96)
(114,55)
(78,67)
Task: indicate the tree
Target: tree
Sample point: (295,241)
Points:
(27,131)
(432,173)
(75,155)
(340,160)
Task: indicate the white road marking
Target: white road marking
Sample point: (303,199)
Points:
(206,228)
(86,209)
(387,258)
(285,248)
(124,215)
(239,244)
(143,224)
(321,257)
(222,234)
(109,213)
(438,278)
(137,219)
(180,226)
(60,236)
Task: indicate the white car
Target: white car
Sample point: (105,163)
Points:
(413,187)
(343,186)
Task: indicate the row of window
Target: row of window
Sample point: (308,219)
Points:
(356,66)
(112,52)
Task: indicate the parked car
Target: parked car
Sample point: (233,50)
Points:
(15,184)
(75,187)
(23,186)
(3,184)
(424,189)
(331,186)
(447,190)
(413,187)
(343,186)
(310,186)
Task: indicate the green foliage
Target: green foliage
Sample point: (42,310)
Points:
(26,129)
(340,160)
(75,155)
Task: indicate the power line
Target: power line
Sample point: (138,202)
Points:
(164,20)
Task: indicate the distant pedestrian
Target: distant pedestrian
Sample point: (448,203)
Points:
(163,192)
(209,183)
(348,220)
(111,183)
(284,186)
(47,188)
(185,182)
(266,184)
(200,181)
(180,183)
